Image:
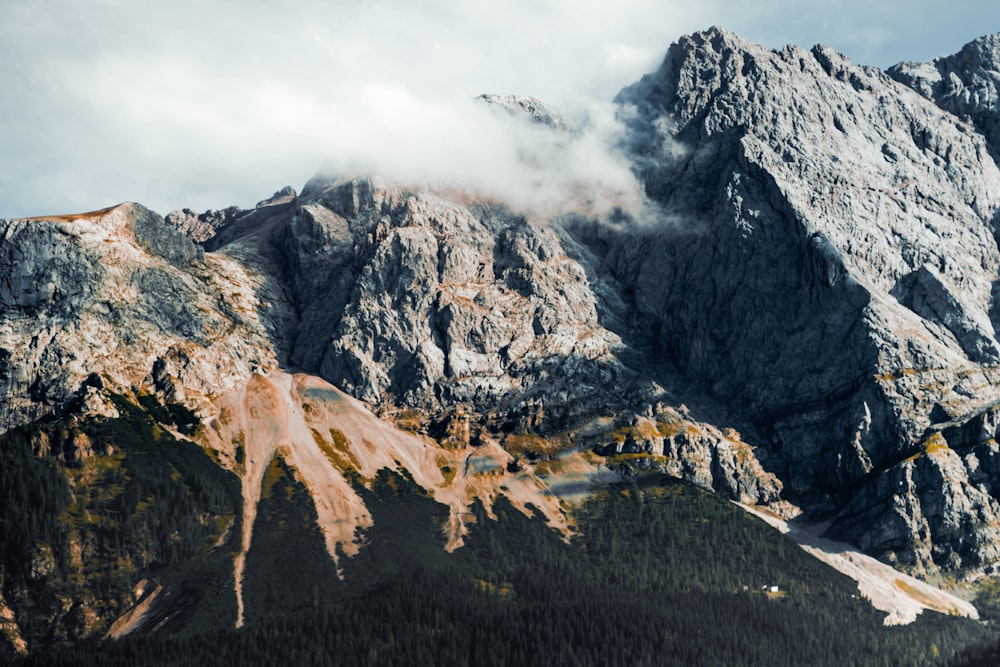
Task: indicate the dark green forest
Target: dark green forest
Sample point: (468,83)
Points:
(659,573)
(89,507)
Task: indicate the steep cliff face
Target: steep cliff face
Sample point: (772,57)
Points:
(460,312)
(830,268)
(118,294)
(454,304)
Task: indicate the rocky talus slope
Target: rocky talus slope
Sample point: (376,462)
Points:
(803,316)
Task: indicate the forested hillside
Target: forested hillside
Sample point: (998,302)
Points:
(658,573)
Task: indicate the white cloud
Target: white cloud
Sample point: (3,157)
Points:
(205,103)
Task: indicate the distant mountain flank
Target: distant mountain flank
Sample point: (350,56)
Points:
(533,108)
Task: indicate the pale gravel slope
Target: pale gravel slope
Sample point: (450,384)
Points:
(903,597)
(325,436)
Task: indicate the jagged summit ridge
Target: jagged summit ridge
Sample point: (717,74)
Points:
(966,84)
(532,108)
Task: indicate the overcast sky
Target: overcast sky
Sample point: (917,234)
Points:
(207,103)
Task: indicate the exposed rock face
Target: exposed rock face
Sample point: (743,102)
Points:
(713,458)
(12,644)
(965,84)
(455,304)
(159,239)
(932,511)
(536,110)
(409,299)
(830,269)
(112,294)
(456,310)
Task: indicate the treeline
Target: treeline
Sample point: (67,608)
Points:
(88,507)
(663,575)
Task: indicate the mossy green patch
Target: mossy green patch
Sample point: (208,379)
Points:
(336,450)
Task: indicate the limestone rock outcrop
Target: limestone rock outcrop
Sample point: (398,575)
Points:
(830,269)
(814,273)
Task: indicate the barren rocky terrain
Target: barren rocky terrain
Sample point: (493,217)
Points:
(800,317)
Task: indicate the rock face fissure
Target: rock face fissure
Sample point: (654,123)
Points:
(803,311)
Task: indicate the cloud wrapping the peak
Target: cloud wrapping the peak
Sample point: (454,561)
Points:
(471,146)
(206,103)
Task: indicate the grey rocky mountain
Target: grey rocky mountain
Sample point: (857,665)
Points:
(832,273)
(531,108)
(804,314)
(414,301)
(112,293)
(966,84)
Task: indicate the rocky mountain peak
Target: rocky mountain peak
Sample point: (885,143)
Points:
(805,315)
(532,108)
(966,84)
(834,206)
(709,44)
(285,195)
(983,52)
